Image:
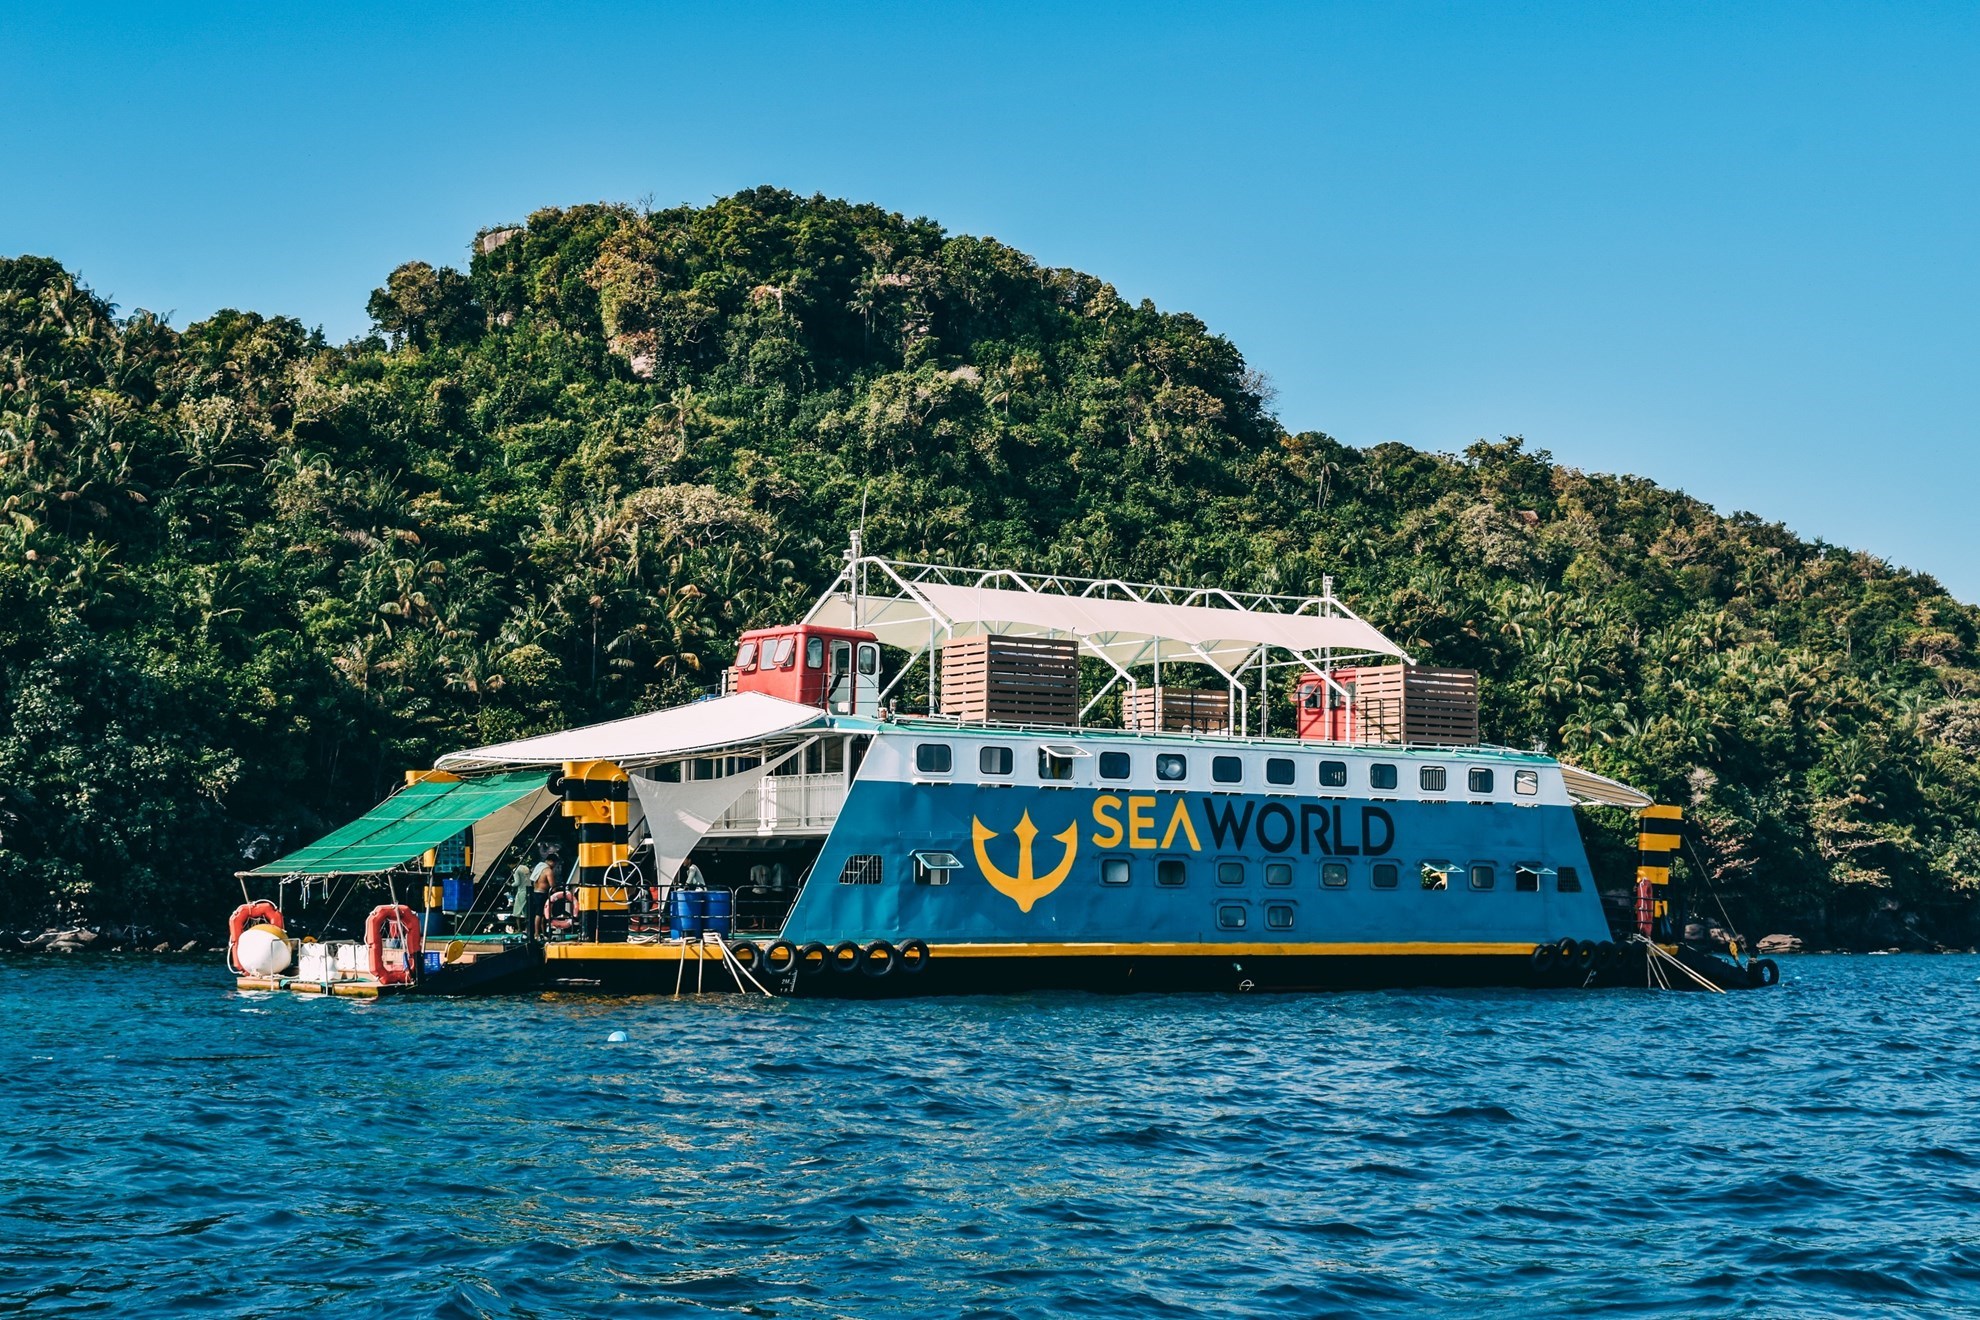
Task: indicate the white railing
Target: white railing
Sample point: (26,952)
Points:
(782,803)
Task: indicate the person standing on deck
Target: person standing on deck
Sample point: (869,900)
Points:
(540,882)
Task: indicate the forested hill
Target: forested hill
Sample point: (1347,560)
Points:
(249,576)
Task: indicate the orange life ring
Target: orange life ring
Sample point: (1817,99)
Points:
(374,940)
(244,915)
(1646,907)
(569,917)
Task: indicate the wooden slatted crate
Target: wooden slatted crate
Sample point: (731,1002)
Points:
(1011,680)
(1174,709)
(1417,704)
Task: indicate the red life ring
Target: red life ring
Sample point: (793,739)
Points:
(374,940)
(569,917)
(1646,907)
(244,915)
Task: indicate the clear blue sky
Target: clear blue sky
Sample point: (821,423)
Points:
(1731,247)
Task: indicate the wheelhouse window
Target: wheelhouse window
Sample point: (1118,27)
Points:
(1526,783)
(1437,874)
(1114,765)
(1483,875)
(1115,871)
(1385,875)
(814,653)
(1171,766)
(1479,779)
(1230,873)
(933,868)
(1279,770)
(1172,872)
(869,659)
(995,760)
(1526,878)
(784,653)
(746,656)
(861,869)
(1430,778)
(933,758)
(1567,880)
(1381,775)
(1334,875)
(1333,774)
(1227,769)
(1055,760)
(1230,916)
(1278,916)
(1278,874)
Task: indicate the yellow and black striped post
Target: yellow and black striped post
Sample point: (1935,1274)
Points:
(1658,838)
(596,796)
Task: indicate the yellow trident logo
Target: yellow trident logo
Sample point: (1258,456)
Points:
(1027,886)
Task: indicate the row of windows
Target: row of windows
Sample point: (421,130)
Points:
(933,867)
(1056,762)
(1437,873)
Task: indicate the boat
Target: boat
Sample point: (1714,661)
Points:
(948,780)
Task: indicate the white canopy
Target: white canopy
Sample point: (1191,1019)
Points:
(1123,630)
(744,718)
(678,814)
(1585,788)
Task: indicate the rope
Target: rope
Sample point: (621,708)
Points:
(1658,956)
(1697,860)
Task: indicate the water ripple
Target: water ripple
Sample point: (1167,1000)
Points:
(172,1146)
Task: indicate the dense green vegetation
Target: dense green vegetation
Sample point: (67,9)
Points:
(248,576)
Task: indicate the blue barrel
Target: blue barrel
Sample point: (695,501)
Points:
(721,911)
(689,911)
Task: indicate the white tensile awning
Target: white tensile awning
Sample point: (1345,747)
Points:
(741,719)
(1585,788)
(1125,631)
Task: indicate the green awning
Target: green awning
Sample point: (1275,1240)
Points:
(417,817)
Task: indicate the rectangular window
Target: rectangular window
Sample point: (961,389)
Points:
(861,869)
(1333,774)
(1385,875)
(785,653)
(1479,779)
(1053,763)
(1278,916)
(1114,765)
(1526,878)
(1226,769)
(1526,782)
(1171,872)
(1333,875)
(1230,916)
(869,659)
(746,656)
(1483,875)
(1278,770)
(1430,778)
(933,758)
(1230,873)
(1568,880)
(1381,775)
(1114,870)
(814,653)
(995,760)
(1171,766)
(1437,875)
(1278,873)
(932,868)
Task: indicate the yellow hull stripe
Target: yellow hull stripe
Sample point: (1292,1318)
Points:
(580,951)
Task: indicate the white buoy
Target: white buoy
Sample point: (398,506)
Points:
(263,951)
(616,1038)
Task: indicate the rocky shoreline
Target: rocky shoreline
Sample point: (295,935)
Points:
(174,940)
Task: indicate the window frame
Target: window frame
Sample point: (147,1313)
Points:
(1567,880)
(863,869)
(1442,867)
(1284,870)
(814,652)
(1224,872)
(1291,913)
(933,866)
(1339,771)
(1221,763)
(1163,867)
(1491,870)
(746,656)
(1479,779)
(1526,783)
(1179,760)
(1121,759)
(1380,770)
(983,757)
(1393,870)
(948,751)
(1126,865)
(1277,766)
(1527,868)
(1336,867)
(1225,907)
(1425,773)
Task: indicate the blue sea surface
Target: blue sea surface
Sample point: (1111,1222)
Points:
(171,1146)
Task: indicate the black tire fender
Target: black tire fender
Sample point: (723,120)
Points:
(807,952)
(879,959)
(748,955)
(914,957)
(1543,958)
(1763,972)
(780,957)
(846,957)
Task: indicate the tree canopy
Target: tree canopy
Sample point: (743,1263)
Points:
(249,576)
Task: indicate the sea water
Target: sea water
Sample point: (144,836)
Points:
(168,1145)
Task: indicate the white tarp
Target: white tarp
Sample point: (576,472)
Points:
(1588,789)
(741,719)
(678,814)
(496,831)
(1123,629)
